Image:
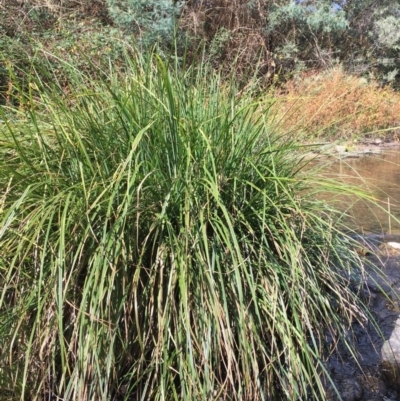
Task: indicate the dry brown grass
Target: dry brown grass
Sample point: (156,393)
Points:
(337,105)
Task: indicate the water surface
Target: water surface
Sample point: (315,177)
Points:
(379,174)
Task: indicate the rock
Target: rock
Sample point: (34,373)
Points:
(395,245)
(390,358)
(350,390)
(374,385)
(341,149)
(379,284)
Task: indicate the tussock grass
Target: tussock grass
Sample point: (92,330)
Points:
(159,242)
(334,105)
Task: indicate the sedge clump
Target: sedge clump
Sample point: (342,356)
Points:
(160,242)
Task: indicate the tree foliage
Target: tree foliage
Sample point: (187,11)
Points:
(291,35)
(277,38)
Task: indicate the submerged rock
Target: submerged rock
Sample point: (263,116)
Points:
(362,374)
(351,390)
(390,355)
(395,245)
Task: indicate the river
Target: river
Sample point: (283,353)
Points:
(378,174)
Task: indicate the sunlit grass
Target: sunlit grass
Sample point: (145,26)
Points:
(159,242)
(335,105)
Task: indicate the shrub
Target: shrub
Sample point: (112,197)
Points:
(153,19)
(159,242)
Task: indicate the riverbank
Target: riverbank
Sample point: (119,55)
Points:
(356,148)
(367,146)
(157,238)
(362,376)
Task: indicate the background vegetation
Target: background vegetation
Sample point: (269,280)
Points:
(277,41)
(335,105)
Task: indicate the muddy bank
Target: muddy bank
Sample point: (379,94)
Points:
(364,148)
(361,376)
(354,149)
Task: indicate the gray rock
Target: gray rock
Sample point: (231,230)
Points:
(341,149)
(390,358)
(395,245)
(350,390)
